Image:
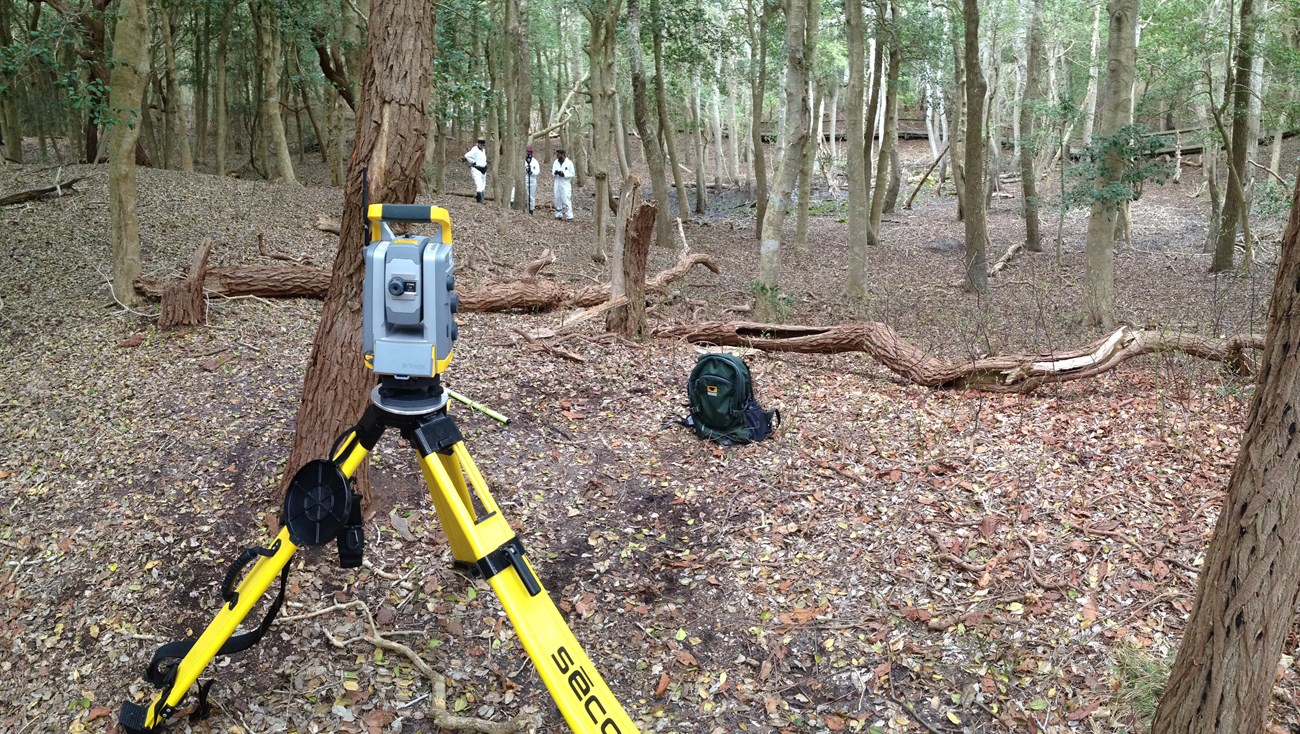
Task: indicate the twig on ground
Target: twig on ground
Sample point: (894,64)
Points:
(1033,572)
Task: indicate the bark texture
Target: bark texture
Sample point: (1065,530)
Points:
(859,207)
(1234,201)
(130,74)
(654,155)
(977,280)
(1223,677)
(636,253)
(801,41)
(391,128)
(1028,147)
(183,300)
(1121,53)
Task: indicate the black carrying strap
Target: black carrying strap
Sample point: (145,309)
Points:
(161,674)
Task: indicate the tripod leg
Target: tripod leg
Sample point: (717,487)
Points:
(473,521)
(195,655)
(270,564)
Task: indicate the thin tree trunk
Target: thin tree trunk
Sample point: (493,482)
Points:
(887,139)
(719,145)
(859,207)
(1090,97)
(391,126)
(1028,143)
(10,123)
(1234,202)
(129,76)
(1225,672)
(733,140)
(665,123)
(620,137)
(697,122)
(1099,287)
(222,131)
(801,43)
(601,53)
(977,269)
(757,86)
(202,68)
(805,189)
(654,156)
(869,126)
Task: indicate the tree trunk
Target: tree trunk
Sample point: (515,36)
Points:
(666,132)
(129,76)
(1027,142)
(620,133)
(720,170)
(1099,288)
(733,135)
(805,187)
(176,121)
(889,137)
(202,70)
(654,156)
(697,123)
(1223,678)
(1234,202)
(10,123)
(600,51)
(977,269)
(391,125)
(268,21)
(631,193)
(757,86)
(859,206)
(895,172)
(219,93)
(869,128)
(801,44)
(1090,97)
(636,254)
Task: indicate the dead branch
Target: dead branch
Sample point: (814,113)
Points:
(325,224)
(265,251)
(531,270)
(1007,257)
(1003,373)
(442,718)
(33,194)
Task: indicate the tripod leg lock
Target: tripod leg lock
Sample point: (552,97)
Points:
(509,555)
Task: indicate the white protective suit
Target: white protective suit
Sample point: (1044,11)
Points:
(477,159)
(532,169)
(563,173)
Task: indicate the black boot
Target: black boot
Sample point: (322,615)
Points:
(478,196)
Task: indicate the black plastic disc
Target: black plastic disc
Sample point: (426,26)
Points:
(316,506)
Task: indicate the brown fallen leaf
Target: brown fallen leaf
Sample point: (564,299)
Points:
(663,685)
(97,713)
(212,364)
(834,723)
(402,527)
(685,658)
(573,415)
(134,340)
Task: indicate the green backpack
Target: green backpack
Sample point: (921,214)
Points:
(723,408)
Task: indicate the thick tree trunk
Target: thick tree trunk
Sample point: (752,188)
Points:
(129,76)
(654,156)
(1004,373)
(1099,288)
(859,206)
(635,256)
(801,43)
(11,128)
(269,23)
(391,126)
(1223,678)
(977,277)
(1234,202)
(628,198)
(1027,142)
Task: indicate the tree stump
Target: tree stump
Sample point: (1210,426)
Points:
(636,255)
(183,301)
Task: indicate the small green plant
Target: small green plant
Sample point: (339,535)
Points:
(770,304)
(1131,150)
(829,206)
(1270,199)
(1142,677)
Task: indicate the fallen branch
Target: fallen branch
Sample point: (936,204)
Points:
(442,718)
(1007,257)
(925,177)
(1004,373)
(33,194)
(265,251)
(325,224)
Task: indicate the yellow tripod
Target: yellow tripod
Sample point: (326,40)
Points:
(320,507)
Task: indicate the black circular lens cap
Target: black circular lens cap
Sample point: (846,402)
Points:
(317,503)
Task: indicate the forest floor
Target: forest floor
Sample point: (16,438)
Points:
(895,558)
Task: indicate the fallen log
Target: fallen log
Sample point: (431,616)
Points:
(32,194)
(1002,373)
(528,294)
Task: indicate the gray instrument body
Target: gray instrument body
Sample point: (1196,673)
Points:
(408,304)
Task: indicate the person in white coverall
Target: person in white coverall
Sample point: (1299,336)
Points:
(477,160)
(562,170)
(532,169)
